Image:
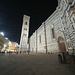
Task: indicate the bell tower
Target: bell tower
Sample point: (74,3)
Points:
(24,34)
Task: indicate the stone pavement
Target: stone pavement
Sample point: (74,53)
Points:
(32,64)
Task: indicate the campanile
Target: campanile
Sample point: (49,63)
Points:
(24,34)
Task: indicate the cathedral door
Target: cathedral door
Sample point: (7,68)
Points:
(62,46)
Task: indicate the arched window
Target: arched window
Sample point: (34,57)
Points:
(53,33)
(24,34)
(74,20)
(72,27)
(25,29)
(40,38)
(25,23)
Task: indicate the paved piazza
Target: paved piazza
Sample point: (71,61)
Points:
(32,64)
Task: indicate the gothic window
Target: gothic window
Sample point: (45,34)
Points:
(40,38)
(53,34)
(65,34)
(74,20)
(25,29)
(25,23)
(72,27)
(62,22)
(69,44)
(64,28)
(25,34)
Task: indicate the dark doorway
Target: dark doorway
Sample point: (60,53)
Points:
(62,46)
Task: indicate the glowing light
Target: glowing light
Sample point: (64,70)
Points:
(5,45)
(9,42)
(2,33)
(6,38)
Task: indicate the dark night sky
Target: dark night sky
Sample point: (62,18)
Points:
(11,15)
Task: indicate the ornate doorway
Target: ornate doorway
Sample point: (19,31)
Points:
(61,43)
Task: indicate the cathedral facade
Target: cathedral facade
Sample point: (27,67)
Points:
(57,33)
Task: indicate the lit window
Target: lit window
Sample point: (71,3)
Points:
(53,34)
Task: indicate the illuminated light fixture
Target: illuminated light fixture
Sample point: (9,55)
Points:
(9,42)
(5,45)
(2,33)
(15,45)
(6,38)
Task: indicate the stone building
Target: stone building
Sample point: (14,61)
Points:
(67,14)
(3,41)
(57,33)
(24,34)
(13,47)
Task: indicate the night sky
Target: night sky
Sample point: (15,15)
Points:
(11,15)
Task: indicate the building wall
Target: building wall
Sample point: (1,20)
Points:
(3,41)
(63,23)
(50,23)
(67,8)
(41,39)
(13,46)
(33,42)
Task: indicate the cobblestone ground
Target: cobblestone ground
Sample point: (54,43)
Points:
(32,64)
